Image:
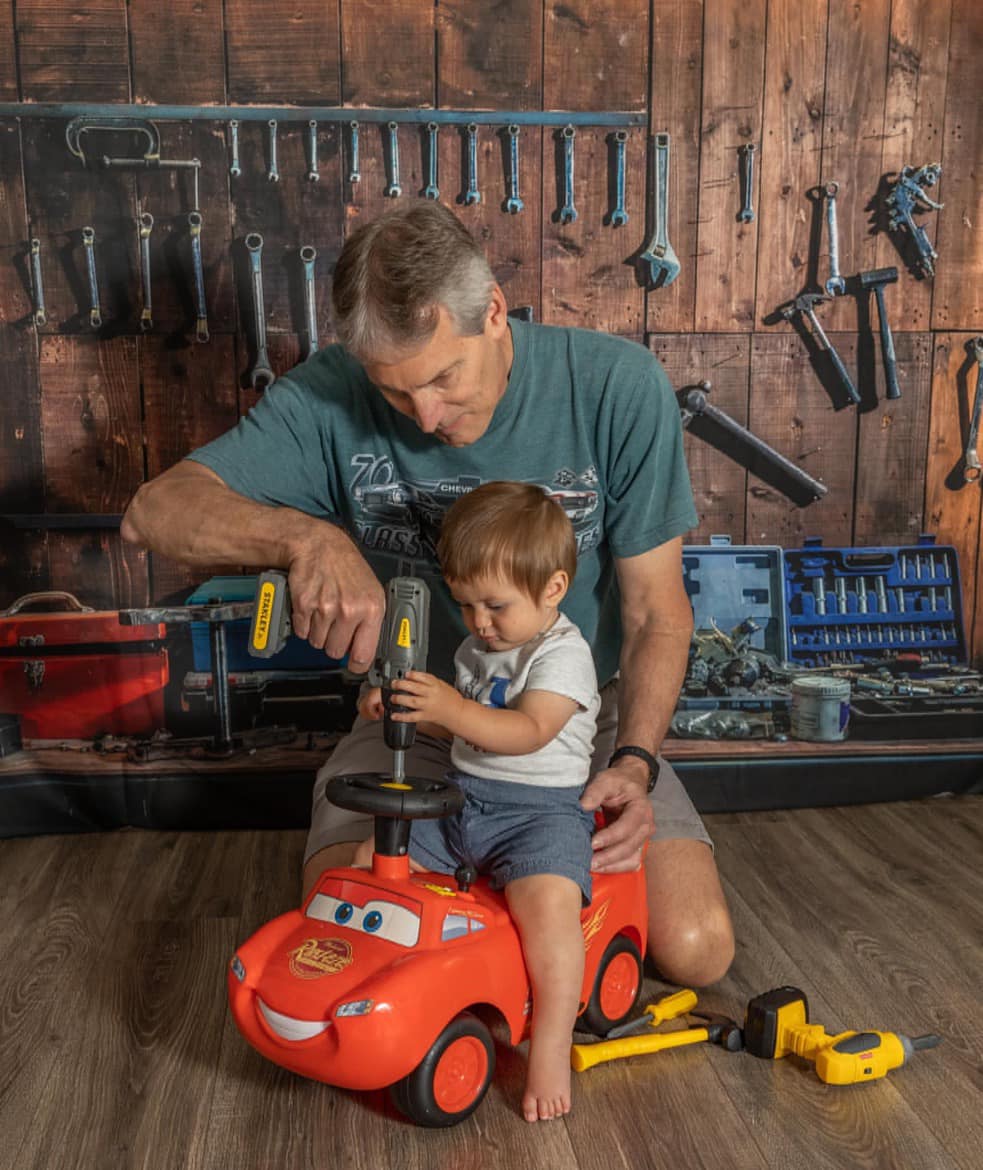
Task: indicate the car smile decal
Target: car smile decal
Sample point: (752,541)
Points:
(592,926)
(319,956)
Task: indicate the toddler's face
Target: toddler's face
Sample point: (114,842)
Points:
(500,613)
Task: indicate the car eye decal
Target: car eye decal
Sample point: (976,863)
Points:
(343,912)
(324,907)
(372,921)
(395,923)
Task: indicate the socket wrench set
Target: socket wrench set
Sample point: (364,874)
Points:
(865,605)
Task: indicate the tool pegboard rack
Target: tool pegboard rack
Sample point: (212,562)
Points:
(860,605)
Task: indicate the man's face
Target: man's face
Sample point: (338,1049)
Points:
(451,385)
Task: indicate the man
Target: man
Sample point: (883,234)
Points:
(341,473)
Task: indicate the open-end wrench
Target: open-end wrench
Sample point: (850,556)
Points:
(260,375)
(568,212)
(472,194)
(146,222)
(971,458)
(619,217)
(89,242)
(354,176)
(835,284)
(40,312)
(431,191)
(806,303)
(661,259)
(201,326)
(308,255)
(746,214)
(513,205)
(393,190)
(273,174)
(313,174)
(235,170)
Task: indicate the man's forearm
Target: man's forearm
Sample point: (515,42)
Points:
(653,666)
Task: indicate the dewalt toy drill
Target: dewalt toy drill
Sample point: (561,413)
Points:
(777,1023)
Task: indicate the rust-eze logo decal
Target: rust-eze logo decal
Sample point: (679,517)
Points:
(319,956)
(592,925)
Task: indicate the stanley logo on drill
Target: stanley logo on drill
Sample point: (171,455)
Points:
(264,611)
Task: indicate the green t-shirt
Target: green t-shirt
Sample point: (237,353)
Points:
(589,417)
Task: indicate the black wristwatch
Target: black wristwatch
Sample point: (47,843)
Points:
(631,750)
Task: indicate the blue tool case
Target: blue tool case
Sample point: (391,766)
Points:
(874,604)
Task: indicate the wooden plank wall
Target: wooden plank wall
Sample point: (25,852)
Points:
(825,89)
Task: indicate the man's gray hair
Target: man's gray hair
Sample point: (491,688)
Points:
(395,272)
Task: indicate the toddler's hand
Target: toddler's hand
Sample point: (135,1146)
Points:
(370,704)
(426,697)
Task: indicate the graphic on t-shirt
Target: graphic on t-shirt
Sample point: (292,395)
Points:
(403,516)
(496,695)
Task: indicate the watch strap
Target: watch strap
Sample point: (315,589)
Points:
(633,750)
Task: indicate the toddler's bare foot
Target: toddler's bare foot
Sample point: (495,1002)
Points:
(547,1093)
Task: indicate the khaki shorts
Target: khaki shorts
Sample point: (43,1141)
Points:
(363,750)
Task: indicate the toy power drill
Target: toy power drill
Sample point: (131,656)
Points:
(777,1023)
(402,647)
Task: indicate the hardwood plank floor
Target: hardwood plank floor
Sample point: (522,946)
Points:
(116,1048)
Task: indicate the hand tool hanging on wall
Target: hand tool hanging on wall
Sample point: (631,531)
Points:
(308,255)
(806,305)
(568,212)
(354,176)
(145,226)
(876,279)
(835,284)
(658,254)
(971,458)
(235,170)
(273,173)
(260,373)
(762,460)
(431,190)
(150,160)
(40,313)
(89,242)
(472,194)
(201,325)
(313,173)
(513,204)
(619,217)
(907,196)
(746,160)
(393,190)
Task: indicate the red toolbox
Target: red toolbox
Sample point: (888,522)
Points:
(74,672)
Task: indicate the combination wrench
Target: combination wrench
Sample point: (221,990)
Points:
(661,259)
(393,189)
(835,284)
(472,194)
(308,255)
(568,212)
(354,176)
(40,312)
(971,458)
(89,242)
(431,191)
(273,174)
(235,170)
(513,204)
(260,375)
(619,217)
(201,326)
(746,214)
(146,223)
(313,173)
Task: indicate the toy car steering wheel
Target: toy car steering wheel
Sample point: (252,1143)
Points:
(378,794)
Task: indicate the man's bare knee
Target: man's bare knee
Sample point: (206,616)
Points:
(327,858)
(695,953)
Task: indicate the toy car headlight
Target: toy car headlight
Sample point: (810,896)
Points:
(238,970)
(357,1007)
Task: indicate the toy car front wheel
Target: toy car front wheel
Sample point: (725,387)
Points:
(449,1083)
(616,987)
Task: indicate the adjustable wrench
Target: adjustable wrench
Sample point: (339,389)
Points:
(431,191)
(513,205)
(313,174)
(619,217)
(261,375)
(308,255)
(472,194)
(835,284)
(95,312)
(40,312)
(201,326)
(661,259)
(147,314)
(746,214)
(393,190)
(568,213)
(971,458)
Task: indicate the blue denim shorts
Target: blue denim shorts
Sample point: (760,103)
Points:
(509,831)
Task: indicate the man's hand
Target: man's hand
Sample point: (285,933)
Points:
(428,698)
(337,604)
(621,792)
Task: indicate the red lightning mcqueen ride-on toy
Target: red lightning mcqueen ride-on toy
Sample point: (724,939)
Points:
(387,978)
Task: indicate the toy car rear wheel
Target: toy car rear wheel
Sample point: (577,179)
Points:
(449,1083)
(616,987)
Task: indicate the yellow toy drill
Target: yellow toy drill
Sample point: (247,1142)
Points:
(777,1023)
